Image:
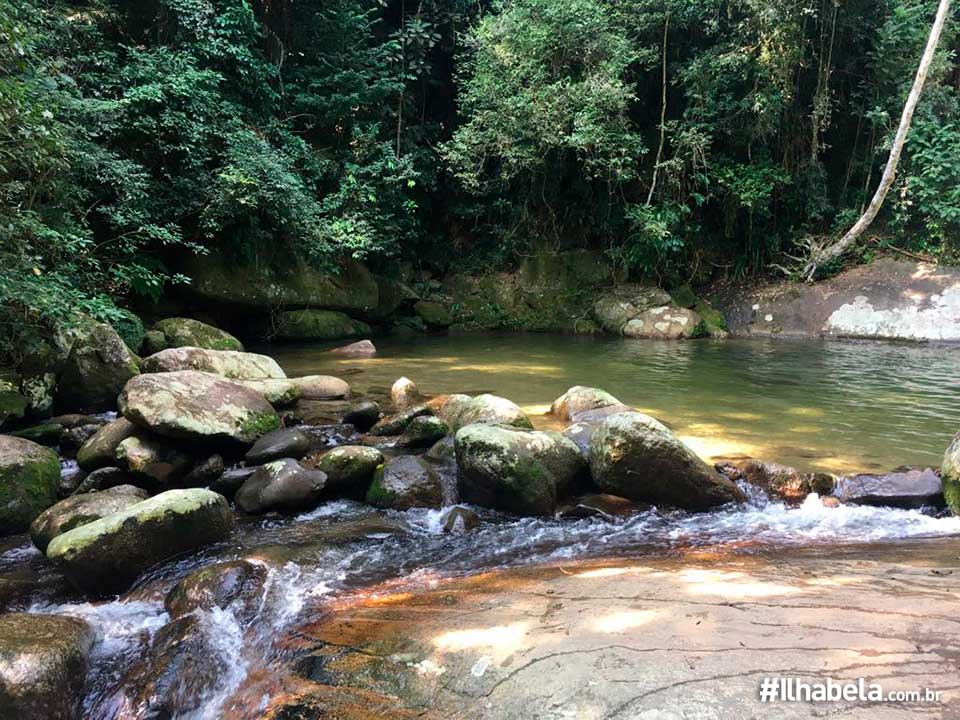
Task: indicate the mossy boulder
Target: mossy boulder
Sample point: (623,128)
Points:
(43,666)
(13,405)
(81,509)
(197,406)
(434,314)
(406,482)
(103,557)
(632,455)
(29,479)
(318,325)
(227,363)
(684,296)
(185,332)
(950,475)
(95,371)
(281,486)
(100,449)
(489,409)
(580,399)
(219,278)
(615,307)
(516,470)
(666,323)
(397,423)
(349,468)
(423,432)
(130,329)
(278,392)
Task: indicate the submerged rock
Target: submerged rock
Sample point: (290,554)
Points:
(282,486)
(603,506)
(406,482)
(359,349)
(665,323)
(486,409)
(100,449)
(460,519)
(579,399)
(422,432)
(197,405)
(103,557)
(29,480)
(97,368)
(904,488)
(634,456)
(43,666)
(185,332)
(363,415)
(283,443)
(227,363)
(81,509)
(238,583)
(349,468)
(780,481)
(520,471)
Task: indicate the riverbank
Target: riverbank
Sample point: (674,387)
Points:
(687,636)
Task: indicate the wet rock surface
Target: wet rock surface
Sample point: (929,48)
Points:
(906,488)
(281,486)
(29,481)
(81,509)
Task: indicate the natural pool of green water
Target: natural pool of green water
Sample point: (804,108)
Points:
(824,405)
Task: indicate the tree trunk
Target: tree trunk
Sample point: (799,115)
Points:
(663,111)
(824,255)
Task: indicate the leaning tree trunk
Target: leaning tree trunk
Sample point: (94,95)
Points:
(824,255)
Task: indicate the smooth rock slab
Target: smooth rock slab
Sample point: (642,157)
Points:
(43,665)
(665,323)
(906,488)
(228,363)
(197,405)
(103,557)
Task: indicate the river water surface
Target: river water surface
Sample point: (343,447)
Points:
(817,405)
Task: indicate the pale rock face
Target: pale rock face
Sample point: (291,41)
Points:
(664,323)
(938,319)
(228,363)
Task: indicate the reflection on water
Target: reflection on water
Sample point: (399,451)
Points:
(817,405)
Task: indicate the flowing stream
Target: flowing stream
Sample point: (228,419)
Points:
(830,406)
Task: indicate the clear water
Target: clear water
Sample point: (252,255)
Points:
(831,406)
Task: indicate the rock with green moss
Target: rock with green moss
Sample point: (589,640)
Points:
(434,314)
(13,405)
(318,325)
(154,462)
(397,423)
(950,475)
(29,479)
(283,486)
(105,556)
(580,399)
(82,509)
(684,296)
(278,392)
(713,320)
(489,409)
(666,323)
(617,306)
(95,371)
(100,449)
(130,328)
(43,666)
(237,584)
(47,433)
(520,471)
(406,482)
(227,363)
(197,406)
(185,332)
(349,469)
(632,455)
(423,432)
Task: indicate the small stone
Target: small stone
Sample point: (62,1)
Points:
(363,415)
(460,519)
(404,393)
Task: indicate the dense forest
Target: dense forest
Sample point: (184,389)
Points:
(684,139)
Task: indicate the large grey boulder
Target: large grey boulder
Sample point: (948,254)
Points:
(82,509)
(406,482)
(228,363)
(281,486)
(311,324)
(488,409)
(43,666)
(197,405)
(903,488)
(618,306)
(29,479)
(185,332)
(520,471)
(635,456)
(97,368)
(665,323)
(104,556)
